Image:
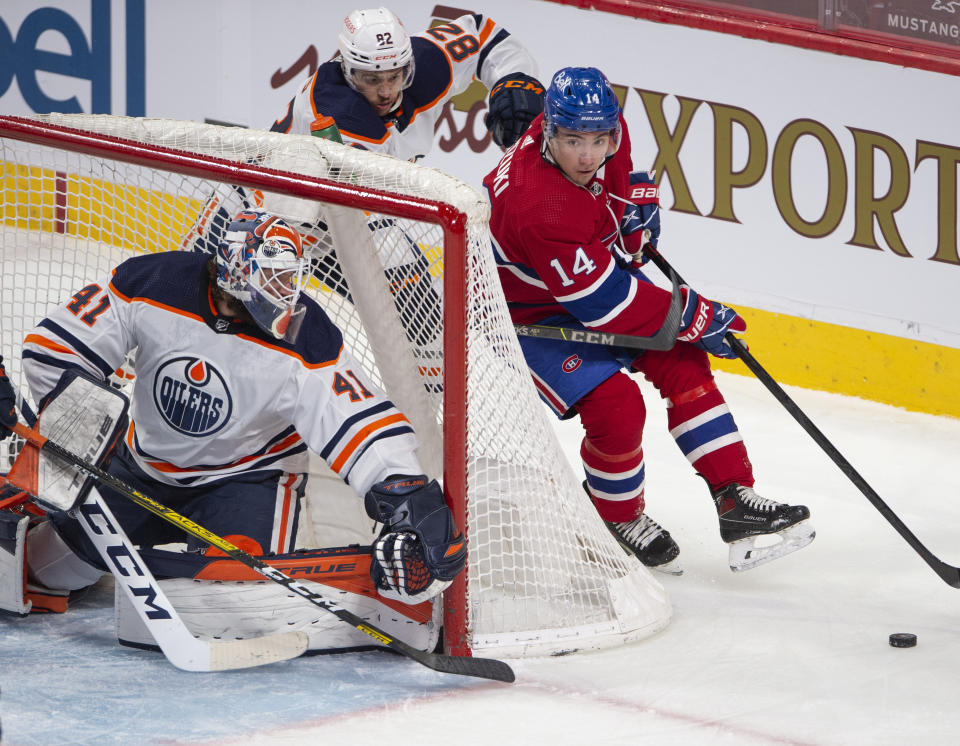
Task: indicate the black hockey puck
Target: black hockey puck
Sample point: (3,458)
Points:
(903,640)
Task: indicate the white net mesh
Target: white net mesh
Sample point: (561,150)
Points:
(544,576)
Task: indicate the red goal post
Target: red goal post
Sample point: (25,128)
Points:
(391,242)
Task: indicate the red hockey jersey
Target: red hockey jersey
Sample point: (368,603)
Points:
(554,242)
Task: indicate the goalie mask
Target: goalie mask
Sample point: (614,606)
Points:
(581,99)
(374,40)
(260,262)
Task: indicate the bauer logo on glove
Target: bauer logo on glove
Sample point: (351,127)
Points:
(705,323)
(420,550)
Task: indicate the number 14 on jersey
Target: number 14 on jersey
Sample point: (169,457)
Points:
(582,265)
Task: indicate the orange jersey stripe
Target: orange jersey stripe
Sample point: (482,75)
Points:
(285,512)
(355,136)
(486,31)
(155,304)
(254,340)
(361,436)
(291,353)
(167,468)
(48,344)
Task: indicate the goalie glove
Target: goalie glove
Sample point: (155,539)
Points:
(8,404)
(515,101)
(640,224)
(420,550)
(705,323)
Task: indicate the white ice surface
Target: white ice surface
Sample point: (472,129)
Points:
(794,652)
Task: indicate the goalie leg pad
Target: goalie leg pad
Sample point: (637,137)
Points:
(52,563)
(19,592)
(227,600)
(13,536)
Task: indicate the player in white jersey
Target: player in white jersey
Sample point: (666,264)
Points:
(237,375)
(386,89)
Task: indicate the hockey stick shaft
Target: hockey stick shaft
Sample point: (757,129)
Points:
(948,573)
(480,667)
(572,334)
(155,611)
(664,339)
(159,616)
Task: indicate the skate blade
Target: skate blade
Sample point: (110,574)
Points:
(672,567)
(745,554)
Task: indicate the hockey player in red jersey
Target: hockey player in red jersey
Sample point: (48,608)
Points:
(238,374)
(569,221)
(386,89)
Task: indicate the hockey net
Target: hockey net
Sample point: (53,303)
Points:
(401,263)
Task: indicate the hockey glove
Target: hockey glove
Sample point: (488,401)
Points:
(515,101)
(640,224)
(420,550)
(705,323)
(8,404)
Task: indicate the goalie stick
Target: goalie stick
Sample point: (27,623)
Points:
(948,573)
(177,643)
(175,640)
(486,668)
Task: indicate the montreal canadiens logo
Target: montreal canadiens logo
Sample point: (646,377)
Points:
(571,363)
(192,397)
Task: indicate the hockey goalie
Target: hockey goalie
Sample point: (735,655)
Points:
(238,377)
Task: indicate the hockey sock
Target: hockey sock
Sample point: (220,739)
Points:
(703,427)
(612,416)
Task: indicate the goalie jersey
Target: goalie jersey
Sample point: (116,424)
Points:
(215,397)
(447,58)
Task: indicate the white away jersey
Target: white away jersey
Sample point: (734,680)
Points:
(447,58)
(214,397)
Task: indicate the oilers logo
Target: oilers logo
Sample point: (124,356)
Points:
(192,397)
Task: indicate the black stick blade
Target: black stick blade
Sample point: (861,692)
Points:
(484,668)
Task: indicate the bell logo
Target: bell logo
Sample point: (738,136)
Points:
(192,396)
(101,57)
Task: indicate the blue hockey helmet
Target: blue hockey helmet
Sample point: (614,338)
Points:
(581,99)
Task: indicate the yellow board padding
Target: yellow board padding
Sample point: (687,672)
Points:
(133,217)
(917,376)
(27,197)
(914,375)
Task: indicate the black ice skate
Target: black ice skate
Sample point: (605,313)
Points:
(746,519)
(650,542)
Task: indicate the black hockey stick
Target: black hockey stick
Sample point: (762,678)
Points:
(485,668)
(948,573)
(664,339)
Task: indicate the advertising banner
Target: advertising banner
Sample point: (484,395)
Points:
(795,182)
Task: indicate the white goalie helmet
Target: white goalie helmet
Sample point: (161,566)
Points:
(374,40)
(260,262)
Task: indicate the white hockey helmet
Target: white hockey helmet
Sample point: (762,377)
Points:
(374,40)
(260,262)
